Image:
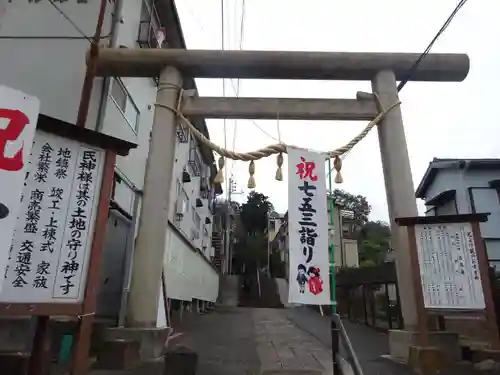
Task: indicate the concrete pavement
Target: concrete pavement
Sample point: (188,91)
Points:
(237,341)
(224,340)
(370,346)
(282,346)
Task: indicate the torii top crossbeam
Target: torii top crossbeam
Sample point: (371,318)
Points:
(359,66)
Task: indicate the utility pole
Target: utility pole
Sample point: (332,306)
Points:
(228,227)
(269,220)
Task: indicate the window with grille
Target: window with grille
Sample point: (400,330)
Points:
(194,158)
(148,25)
(125,104)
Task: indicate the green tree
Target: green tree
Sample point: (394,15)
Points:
(357,204)
(374,242)
(254,213)
(254,252)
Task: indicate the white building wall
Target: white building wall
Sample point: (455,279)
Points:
(192,223)
(188,275)
(54,69)
(472,188)
(46,55)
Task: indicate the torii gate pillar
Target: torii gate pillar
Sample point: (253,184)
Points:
(399,189)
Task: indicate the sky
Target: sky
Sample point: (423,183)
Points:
(453,120)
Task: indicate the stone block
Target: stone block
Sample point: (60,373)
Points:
(150,367)
(426,360)
(401,341)
(16,333)
(448,343)
(399,344)
(292,372)
(485,354)
(118,355)
(151,340)
(180,360)
(487,365)
(14,363)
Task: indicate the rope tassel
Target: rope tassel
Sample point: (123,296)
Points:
(337,164)
(279,171)
(251,179)
(219,177)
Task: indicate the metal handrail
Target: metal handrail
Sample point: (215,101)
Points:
(346,343)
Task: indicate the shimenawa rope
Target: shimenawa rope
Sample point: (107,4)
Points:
(271,149)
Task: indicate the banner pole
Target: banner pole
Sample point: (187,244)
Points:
(333,324)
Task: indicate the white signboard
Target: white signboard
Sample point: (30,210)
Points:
(449,267)
(18,119)
(50,251)
(308,228)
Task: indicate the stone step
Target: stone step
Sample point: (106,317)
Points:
(118,354)
(151,367)
(14,363)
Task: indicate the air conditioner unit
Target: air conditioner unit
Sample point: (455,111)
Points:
(195,235)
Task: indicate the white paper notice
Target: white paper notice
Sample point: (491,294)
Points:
(449,267)
(50,252)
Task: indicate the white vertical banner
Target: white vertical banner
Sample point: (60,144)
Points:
(307,228)
(18,119)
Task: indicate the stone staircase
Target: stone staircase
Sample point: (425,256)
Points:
(269,295)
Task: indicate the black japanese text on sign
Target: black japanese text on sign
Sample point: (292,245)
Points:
(307,223)
(79,220)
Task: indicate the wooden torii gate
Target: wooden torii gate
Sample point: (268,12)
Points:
(382,69)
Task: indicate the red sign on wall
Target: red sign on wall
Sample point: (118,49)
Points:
(18,118)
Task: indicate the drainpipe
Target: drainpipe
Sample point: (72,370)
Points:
(129,256)
(343,261)
(106,83)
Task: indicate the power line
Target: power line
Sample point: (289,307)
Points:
(253,121)
(427,50)
(238,82)
(73,23)
(431,44)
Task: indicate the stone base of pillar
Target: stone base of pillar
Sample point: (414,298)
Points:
(14,363)
(426,361)
(485,354)
(128,347)
(16,334)
(401,341)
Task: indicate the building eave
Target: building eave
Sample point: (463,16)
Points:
(437,164)
(425,182)
(442,198)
